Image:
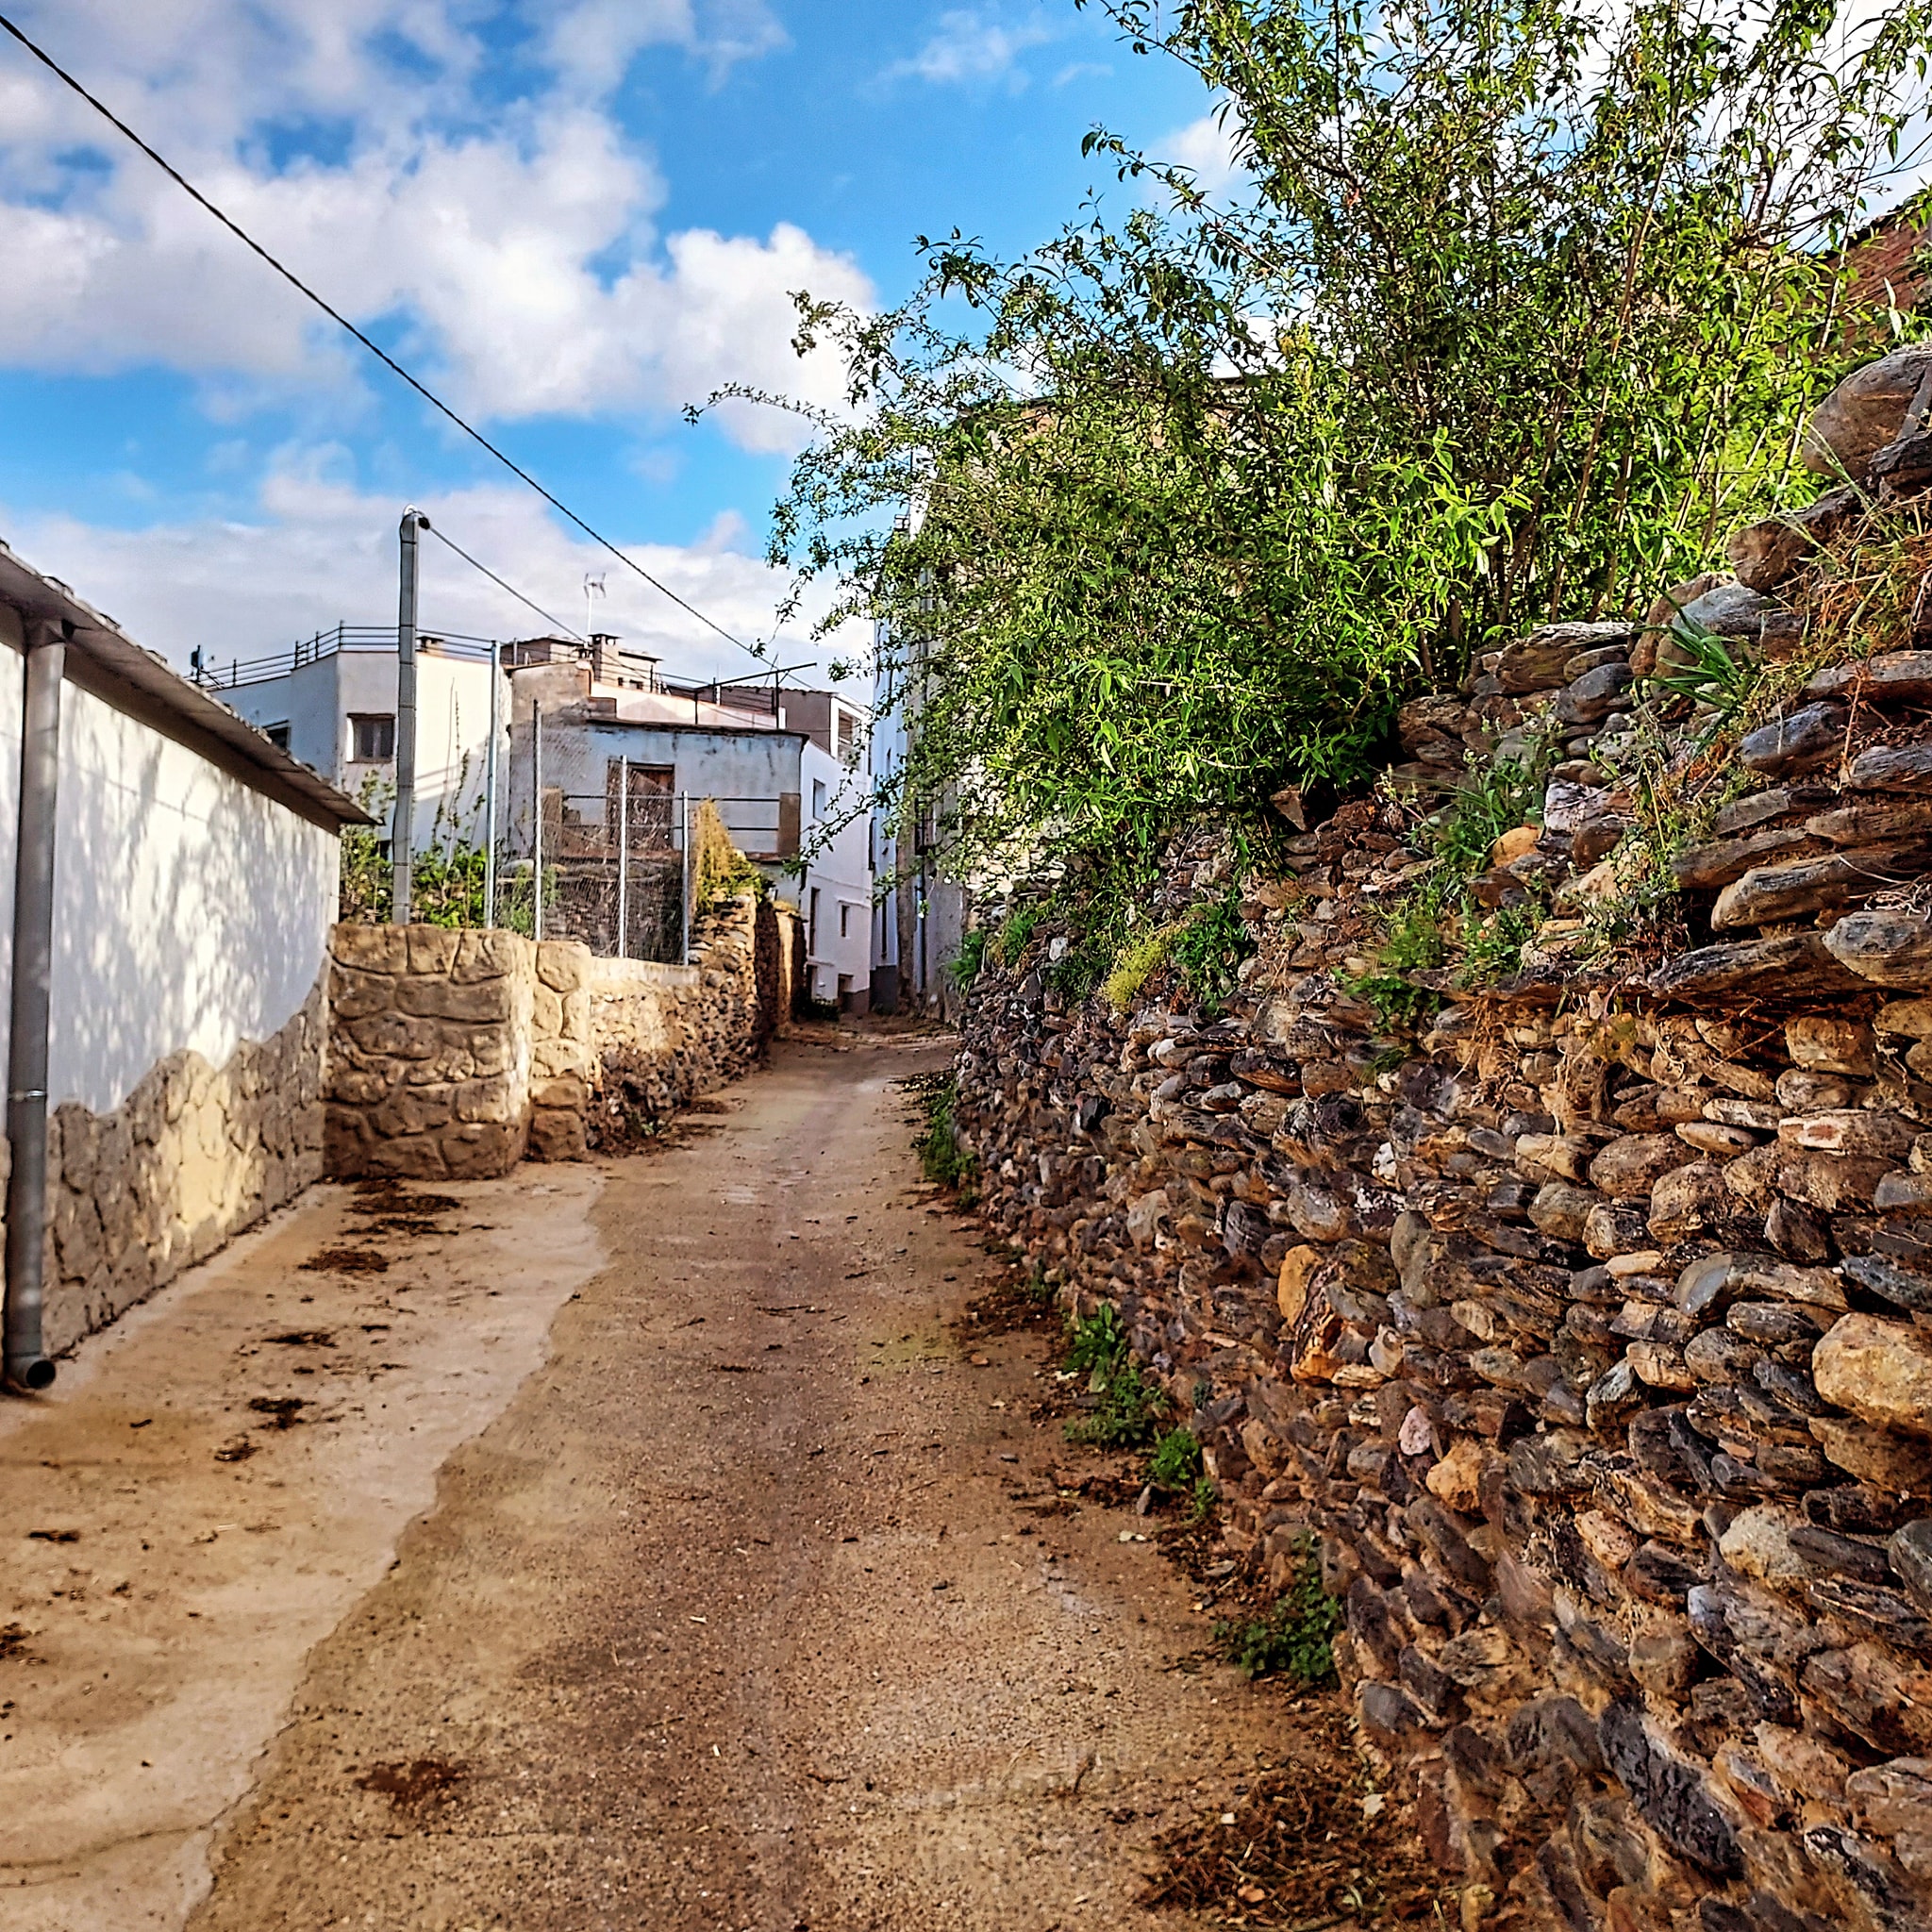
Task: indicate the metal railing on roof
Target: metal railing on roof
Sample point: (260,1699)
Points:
(753,696)
(216,676)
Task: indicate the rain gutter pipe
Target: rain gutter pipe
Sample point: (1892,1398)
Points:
(27,1367)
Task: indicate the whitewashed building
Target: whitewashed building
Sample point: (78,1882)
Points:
(165,903)
(331,703)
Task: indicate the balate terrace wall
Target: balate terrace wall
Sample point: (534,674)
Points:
(458,1053)
(1589,1332)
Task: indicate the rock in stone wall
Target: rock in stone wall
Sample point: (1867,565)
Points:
(1589,1336)
(192,1157)
(456,1054)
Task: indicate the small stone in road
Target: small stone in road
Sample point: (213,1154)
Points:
(982,1361)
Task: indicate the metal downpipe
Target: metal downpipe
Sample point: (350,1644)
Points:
(26,1366)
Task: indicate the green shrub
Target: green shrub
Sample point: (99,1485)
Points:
(972,949)
(1411,943)
(1129,1407)
(1294,1640)
(1096,1344)
(1497,797)
(1208,949)
(1009,942)
(1492,947)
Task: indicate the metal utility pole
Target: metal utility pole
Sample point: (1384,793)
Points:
(623,858)
(402,835)
(537,830)
(490,792)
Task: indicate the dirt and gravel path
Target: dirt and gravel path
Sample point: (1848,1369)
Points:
(760,1607)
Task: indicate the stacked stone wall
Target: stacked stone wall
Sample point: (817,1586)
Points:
(460,1052)
(1585,1329)
(1588,1342)
(196,1155)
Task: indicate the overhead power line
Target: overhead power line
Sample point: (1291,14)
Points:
(448,543)
(381,354)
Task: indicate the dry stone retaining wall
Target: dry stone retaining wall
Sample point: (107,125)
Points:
(460,1052)
(1588,1335)
(194,1156)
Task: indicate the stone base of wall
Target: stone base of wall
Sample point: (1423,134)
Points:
(459,1054)
(1585,1345)
(192,1157)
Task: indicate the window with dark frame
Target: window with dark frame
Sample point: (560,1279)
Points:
(373,737)
(278,735)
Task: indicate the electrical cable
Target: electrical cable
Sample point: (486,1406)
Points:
(381,355)
(500,584)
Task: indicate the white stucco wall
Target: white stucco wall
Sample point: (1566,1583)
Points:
(189,910)
(746,771)
(842,877)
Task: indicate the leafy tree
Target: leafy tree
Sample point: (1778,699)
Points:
(1518,308)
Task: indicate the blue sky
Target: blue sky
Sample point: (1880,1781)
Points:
(570,216)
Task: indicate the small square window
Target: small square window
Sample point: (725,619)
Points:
(818,799)
(375,737)
(278,735)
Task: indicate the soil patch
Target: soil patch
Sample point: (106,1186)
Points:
(347,1261)
(409,1785)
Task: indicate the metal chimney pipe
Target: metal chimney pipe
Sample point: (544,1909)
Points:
(26,1366)
(403,831)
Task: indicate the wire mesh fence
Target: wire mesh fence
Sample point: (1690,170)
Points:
(615,867)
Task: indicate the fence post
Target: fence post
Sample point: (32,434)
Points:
(537,832)
(684,847)
(623,858)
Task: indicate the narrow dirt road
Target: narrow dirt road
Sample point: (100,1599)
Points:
(759,1608)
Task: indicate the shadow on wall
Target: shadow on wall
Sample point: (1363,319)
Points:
(191,913)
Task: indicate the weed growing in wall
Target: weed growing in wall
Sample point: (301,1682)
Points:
(1127,1407)
(1293,1641)
(941,1158)
(1175,1464)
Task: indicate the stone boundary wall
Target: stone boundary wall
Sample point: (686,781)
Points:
(194,1156)
(459,1054)
(1589,1337)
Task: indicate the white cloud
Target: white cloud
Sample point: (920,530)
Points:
(968,46)
(321,550)
(1208,148)
(593,42)
(521,263)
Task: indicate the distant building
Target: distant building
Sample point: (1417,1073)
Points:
(331,703)
(920,921)
(782,766)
